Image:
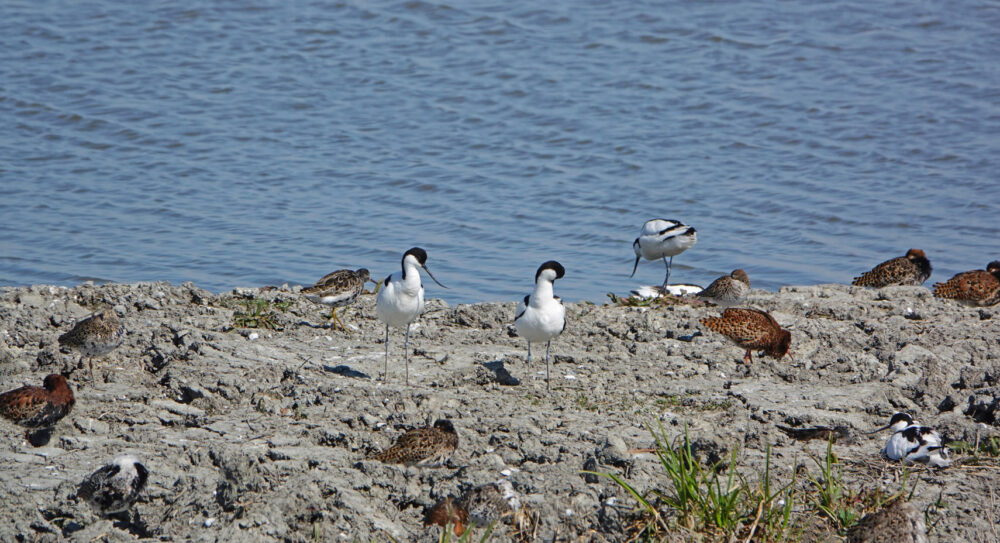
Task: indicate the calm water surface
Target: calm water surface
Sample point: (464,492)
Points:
(236,143)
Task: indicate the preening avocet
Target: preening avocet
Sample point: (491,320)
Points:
(911,442)
(541,316)
(661,238)
(113,488)
(401,301)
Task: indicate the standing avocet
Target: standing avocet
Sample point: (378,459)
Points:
(661,238)
(541,316)
(401,301)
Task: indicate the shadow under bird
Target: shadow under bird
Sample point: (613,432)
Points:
(541,316)
(974,288)
(727,290)
(912,443)
(114,487)
(428,447)
(94,336)
(401,301)
(897,522)
(825,433)
(912,269)
(662,238)
(752,329)
(338,289)
(479,506)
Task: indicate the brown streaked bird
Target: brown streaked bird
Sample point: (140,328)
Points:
(338,289)
(428,447)
(975,288)
(897,522)
(912,269)
(727,290)
(751,329)
(481,505)
(38,407)
(96,335)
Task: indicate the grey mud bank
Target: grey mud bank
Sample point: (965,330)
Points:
(261,433)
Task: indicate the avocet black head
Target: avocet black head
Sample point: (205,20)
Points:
(898,422)
(556,269)
(420,256)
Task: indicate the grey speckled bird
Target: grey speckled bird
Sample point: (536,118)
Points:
(338,289)
(898,522)
(96,335)
(728,290)
(482,505)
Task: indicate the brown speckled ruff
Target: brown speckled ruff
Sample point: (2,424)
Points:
(427,447)
(898,522)
(912,269)
(727,290)
(96,335)
(751,329)
(338,289)
(975,288)
(38,407)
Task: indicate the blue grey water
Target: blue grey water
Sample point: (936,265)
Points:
(253,143)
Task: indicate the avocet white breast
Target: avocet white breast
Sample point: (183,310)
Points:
(661,238)
(913,443)
(541,316)
(401,301)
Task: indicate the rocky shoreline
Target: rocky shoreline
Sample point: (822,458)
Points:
(255,419)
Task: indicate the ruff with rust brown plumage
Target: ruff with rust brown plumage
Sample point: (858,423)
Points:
(96,335)
(912,269)
(38,407)
(428,447)
(975,288)
(751,329)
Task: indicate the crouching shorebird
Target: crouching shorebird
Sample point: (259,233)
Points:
(897,522)
(114,487)
(338,289)
(482,505)
(752,329)
(661,238)
(975,288)
(911,269)
(727,290)
(541,316)
(96,335)
(912,443)
(428,447)
(401,301)
(38,408)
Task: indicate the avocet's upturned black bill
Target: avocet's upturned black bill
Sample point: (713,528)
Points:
(660,238)
(541,316)
(401,301)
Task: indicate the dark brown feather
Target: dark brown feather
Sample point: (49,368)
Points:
(38,407)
